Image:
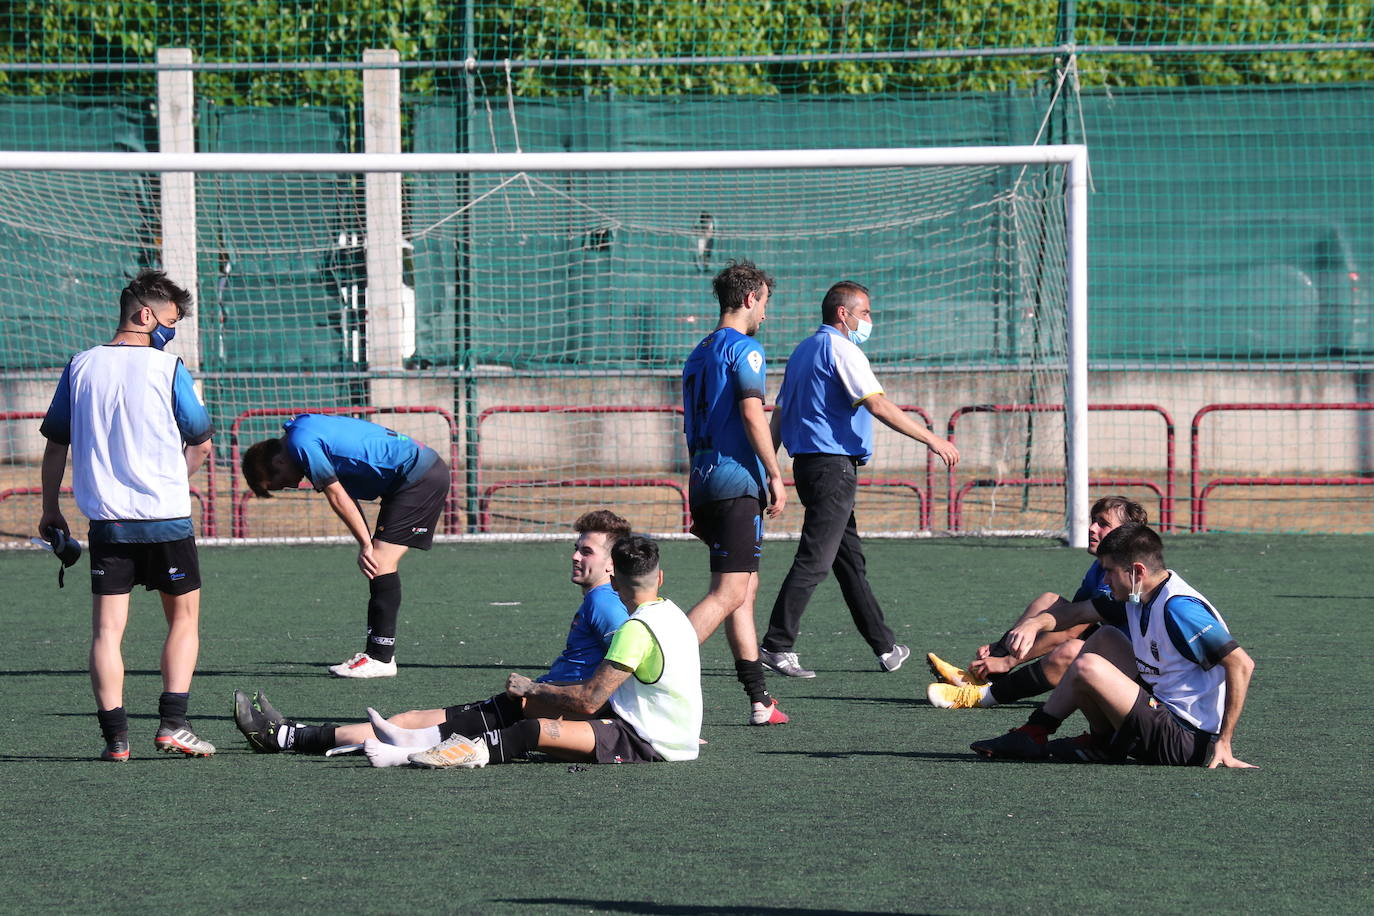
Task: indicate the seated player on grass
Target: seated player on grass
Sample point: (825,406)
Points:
(643,704)
(989,679)
(1167,687)
(598,617)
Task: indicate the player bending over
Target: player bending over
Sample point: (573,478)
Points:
(1167,687)
(350,460)
(598,617)
(989,679)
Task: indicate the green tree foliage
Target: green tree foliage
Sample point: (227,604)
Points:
(276,31)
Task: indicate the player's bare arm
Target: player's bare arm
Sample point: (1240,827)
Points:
(757,428)
(1239,667)
(54,469)
(196,455)
(896,419)
(581,700)
(346,508)
(1021,638)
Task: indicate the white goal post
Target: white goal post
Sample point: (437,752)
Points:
(389,318)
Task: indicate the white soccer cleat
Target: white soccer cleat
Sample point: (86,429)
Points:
(454,751)
(380,754)
(364,665)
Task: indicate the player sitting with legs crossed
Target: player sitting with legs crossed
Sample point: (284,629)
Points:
(1165,685)
(989,679)
(598,617)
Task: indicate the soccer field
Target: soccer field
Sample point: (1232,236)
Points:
(869,801)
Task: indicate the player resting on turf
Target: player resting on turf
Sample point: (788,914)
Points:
(735,478)
(990,679)
(593,625)
(128,413)
(350,460)
(642,705)
(1167,687)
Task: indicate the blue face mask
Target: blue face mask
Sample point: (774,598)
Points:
(861,333)
(161,336)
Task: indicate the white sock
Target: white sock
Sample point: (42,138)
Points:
(402,737)
(386,755)
(985,696)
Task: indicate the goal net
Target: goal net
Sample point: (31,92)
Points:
(527,316)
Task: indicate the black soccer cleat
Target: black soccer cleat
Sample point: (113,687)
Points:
(1024,743)
(256,725)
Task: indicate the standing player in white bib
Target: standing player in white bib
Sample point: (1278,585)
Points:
(1167,687)
(128,413)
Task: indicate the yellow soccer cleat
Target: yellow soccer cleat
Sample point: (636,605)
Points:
(947,696)
(944,671)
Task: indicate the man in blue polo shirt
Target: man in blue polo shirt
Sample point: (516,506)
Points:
(825,412)
(350,460)
(128,413)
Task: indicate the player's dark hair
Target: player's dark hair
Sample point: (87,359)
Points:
(257,465)
(734,284)
(845,293)
(635,557)
(604,521)
(1131,511)
(152,288)
(1133,544)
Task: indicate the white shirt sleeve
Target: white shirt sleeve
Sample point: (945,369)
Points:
(853,370)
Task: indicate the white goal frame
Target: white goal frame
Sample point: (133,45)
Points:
(385,245)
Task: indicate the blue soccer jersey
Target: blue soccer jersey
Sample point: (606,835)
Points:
(598,617)
(367,459)
(1094,584)
(724,369)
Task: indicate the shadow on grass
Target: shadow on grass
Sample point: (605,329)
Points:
(668,909)
(905,755)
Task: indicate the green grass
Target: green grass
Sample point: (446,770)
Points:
(868,802)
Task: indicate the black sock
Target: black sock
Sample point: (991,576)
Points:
(1046,721)
(308,739)
(513,741)
(383,607)
(171,709)
(1026,681)
(494,714)
(750,674)
(114,724)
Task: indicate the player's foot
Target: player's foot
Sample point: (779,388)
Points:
(381,754)
(892,659)
(950,674)
(454,751)
(947,696)
(413,738)
(784,663)
(1024,743)
(364,665)
(769,713)
(256,724)
(182,741)
(1084,748)
(267,709)
(116,751)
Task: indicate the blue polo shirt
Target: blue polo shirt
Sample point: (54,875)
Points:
(599,616)
(823,389)
(367,459)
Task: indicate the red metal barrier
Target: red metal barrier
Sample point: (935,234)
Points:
(1198,496)
(207,502)
(238,498)
(38,491)
(958,499)
(1166,505)
(484,510)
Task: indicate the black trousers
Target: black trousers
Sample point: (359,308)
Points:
(829,541)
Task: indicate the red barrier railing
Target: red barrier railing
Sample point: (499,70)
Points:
(207,502)
(1198,494)
(67,491)
(238,497)
(484,510)
(1166,505)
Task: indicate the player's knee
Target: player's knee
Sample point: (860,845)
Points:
(1060,658)
(1090,672)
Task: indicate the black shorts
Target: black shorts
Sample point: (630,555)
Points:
(1151,734)
(733,530)
(618,742)
(170,567)
(409,516)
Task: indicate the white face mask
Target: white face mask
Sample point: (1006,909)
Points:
(1133,599)
(861,333)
